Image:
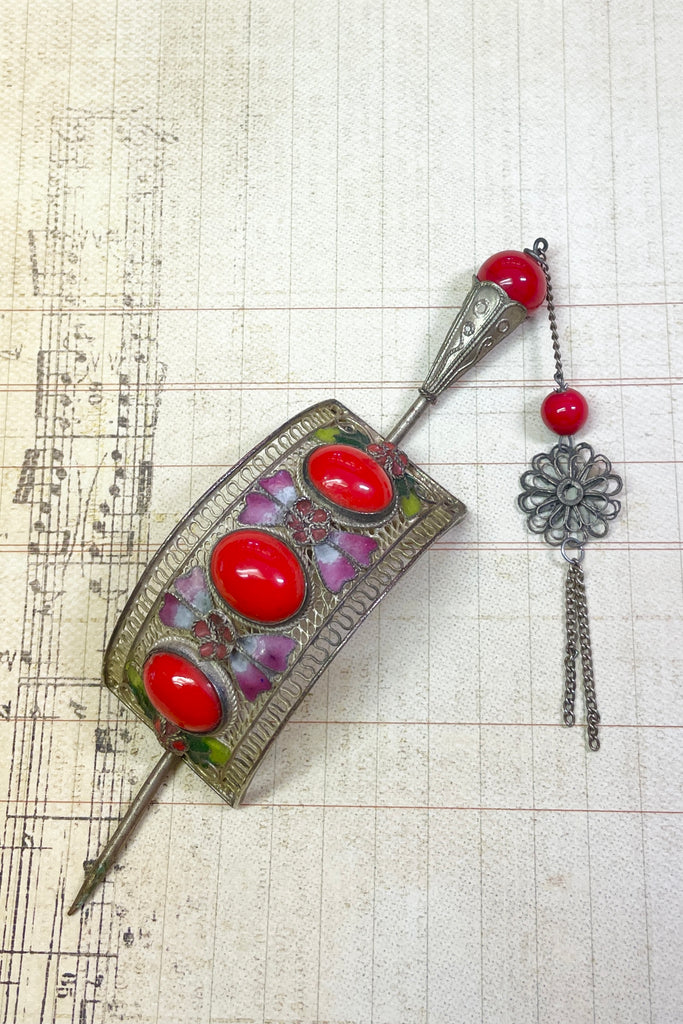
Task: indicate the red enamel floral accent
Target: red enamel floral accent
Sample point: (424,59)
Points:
(390,457)
(565,412)
(350,478)
(181,692)
(169,736)
(519,275)
(258,575)
(309,523)
(216,634)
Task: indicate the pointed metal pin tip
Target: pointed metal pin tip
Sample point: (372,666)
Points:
(96,871)
(88,885)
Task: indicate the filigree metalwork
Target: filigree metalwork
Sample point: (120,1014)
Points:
(228,759)
(569,494)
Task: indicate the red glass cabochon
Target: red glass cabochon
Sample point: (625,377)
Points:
(350,479)
(181,692)
(258,575)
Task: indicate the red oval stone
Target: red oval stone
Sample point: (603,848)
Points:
(519,275)
(350,478)
(181,692)
(258,575)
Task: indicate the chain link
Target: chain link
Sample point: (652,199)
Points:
(579,642)
(538,251)
(592,715)
(571,649)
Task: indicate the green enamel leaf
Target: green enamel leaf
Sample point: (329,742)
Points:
(356,438)
(401,485)
(138,688)
(328,434)
(207,750)
(411,504)
(218,752)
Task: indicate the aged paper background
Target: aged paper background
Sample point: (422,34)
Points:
(212,215)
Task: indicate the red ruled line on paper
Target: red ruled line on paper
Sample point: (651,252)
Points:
(510,547)
(132,310)
(350,807)
(222,467)
(322,722)
(250,386)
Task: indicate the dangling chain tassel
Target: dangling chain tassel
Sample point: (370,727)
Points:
(568,496)
(579,641)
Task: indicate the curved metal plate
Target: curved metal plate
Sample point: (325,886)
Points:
(227,760)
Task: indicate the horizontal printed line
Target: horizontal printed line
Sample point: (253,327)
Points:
(46,309)
(96,954)
(530,546)
(55,391)
(464,807)
(300,805)
(223,467)
(57,720)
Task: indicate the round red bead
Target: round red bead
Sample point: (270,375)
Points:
(258,575)
(519,275)
(350,479)
(565,412)
(181,692)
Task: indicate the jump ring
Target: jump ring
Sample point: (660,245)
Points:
(572,559)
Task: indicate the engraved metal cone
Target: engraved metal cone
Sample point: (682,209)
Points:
(487,315)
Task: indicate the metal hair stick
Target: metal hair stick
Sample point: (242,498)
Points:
(271,572)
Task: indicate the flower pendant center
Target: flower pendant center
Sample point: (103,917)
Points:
(569,492)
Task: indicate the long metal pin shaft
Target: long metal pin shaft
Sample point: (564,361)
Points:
(408,419)
(96,871)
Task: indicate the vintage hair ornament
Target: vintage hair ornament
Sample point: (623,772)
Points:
(274,568)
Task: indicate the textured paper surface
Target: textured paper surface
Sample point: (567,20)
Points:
(215,214)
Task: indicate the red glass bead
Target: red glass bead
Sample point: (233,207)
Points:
(258,575)
(181,692)
(350,478)
(519,275)
(565,412)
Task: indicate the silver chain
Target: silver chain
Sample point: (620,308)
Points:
(571,649)
(540,247)
(579,641)
(592,715)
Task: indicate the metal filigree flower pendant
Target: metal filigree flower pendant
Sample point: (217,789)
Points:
(569,494)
